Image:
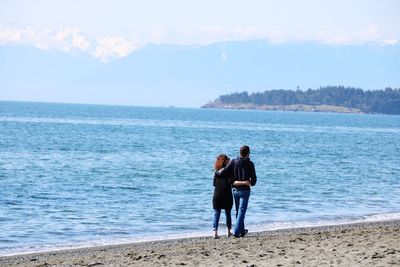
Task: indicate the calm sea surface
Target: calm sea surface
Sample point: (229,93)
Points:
(79,175)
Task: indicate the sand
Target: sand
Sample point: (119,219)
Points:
(366,244)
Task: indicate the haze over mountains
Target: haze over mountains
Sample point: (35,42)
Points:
(189,76)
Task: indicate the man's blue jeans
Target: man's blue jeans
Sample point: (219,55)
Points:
(241,198)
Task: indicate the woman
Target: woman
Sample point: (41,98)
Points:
(222,198)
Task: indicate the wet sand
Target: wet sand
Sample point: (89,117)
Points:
(366,244)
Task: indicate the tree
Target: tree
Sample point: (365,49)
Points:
(377,101)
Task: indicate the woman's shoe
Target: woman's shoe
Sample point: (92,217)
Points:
(229,233)
(216,235)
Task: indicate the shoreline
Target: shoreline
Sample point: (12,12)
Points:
(260,228)
(291,108)
(381,236)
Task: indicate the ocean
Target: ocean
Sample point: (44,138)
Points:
(76,175)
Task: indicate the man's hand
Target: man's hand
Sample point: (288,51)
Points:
(241,183)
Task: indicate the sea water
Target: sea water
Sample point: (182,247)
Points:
(81,175)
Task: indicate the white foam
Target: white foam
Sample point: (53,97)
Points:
(99,242)
(306,224)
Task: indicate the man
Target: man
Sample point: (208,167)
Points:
(243,176)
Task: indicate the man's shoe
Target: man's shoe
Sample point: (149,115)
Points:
(245,232)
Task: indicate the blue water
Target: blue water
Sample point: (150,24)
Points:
(77,175)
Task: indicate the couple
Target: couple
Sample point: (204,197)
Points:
(233,175)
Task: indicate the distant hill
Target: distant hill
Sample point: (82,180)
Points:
(190,75)
(325,99)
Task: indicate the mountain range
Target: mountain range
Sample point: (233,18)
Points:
(191,75)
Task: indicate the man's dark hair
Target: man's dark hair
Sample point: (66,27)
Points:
(244,151)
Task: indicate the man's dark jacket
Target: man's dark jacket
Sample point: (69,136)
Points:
(240,169)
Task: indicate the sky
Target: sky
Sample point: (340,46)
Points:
(108,31)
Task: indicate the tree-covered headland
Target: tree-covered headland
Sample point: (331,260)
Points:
(330,98)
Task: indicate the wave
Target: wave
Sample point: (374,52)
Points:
(202,125)
(330,222)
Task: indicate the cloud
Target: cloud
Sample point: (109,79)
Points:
(247,32)
(9,35)
(80,42)
(114,46)
(158,34)
(62,34)
(72,37)
(72,40)
(69,39)
(24,36)
(371,34)
(390,41)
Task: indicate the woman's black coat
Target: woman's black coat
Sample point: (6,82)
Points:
(222,198)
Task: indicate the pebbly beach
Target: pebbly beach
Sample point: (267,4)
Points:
(361,244)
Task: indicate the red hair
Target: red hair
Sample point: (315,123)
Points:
(220,161)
